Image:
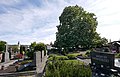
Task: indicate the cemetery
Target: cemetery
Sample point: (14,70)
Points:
(77,51)
(97,62)
(14,67)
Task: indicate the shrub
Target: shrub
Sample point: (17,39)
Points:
(71,56)
(52,56)
(30,54)
(61,57)
(63,69)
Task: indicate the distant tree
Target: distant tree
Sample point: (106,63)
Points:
(14,48)
(2,46)
(51,43)
(40,47)
(36,47)
(77,28)
(32,46)
(104,41)
(30,53)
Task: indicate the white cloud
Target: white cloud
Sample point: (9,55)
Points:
(9,2)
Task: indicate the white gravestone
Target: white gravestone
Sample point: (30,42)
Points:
(6,57)
(38,62)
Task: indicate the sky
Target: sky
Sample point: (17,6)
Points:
(36,20)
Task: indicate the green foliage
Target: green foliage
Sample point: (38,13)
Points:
(30,54)
(14,48)
(36,47)
(51,57)
(61,57)
(32,46)
(76,54)
(73,61)
(2,46)
(117,55)
(58,68)
(77,27)
(71,56)
(40,47)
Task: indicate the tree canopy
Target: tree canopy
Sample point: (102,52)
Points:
(40,47)
(36,47)
(77,28)
(2,46)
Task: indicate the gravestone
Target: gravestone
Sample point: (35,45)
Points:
(102,63)
(42,55)
(6,55)
(38,62)
(11,54)
(104,59)
(37,58)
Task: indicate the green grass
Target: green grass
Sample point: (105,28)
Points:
(75,54)
(73,61)
(58,57)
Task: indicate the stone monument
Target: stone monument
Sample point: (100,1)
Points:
(6,55)
(38,62)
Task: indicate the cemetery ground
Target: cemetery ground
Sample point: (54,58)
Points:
(75,64)
(70,60)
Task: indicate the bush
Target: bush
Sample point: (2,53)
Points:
(61,57)
(52,56)
(30,54)
(66,69)
(71,56)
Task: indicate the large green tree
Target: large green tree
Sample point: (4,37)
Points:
(77,28)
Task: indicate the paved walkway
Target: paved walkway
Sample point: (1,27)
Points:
(19,74)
